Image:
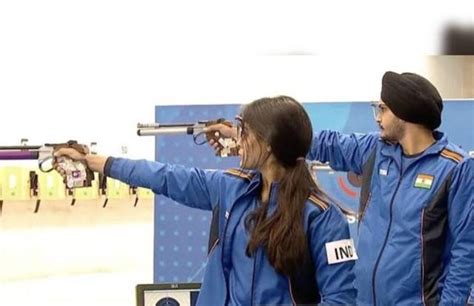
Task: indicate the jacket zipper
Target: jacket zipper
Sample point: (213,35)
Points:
(224,239)
(374,298)
(223,251)
(253,280)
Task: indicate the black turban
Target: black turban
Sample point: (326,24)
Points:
(412,98)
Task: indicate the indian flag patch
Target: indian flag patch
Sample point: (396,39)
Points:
(424,181)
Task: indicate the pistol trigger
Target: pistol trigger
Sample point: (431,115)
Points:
(40,165)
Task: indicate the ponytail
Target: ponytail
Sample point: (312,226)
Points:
(282,235)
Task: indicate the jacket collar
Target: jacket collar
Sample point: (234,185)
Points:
(257,181)
(395,150)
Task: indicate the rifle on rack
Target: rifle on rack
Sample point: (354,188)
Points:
(228,145)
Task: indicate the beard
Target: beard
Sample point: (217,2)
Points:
(393,132)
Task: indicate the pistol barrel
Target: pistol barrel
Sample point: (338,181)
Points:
(170,129)
(18,155)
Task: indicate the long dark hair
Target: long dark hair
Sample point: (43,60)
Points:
(285,126)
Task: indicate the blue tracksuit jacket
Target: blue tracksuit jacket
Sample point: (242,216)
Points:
(232,278)
(416,222)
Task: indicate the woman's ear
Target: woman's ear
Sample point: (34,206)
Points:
(269,149)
